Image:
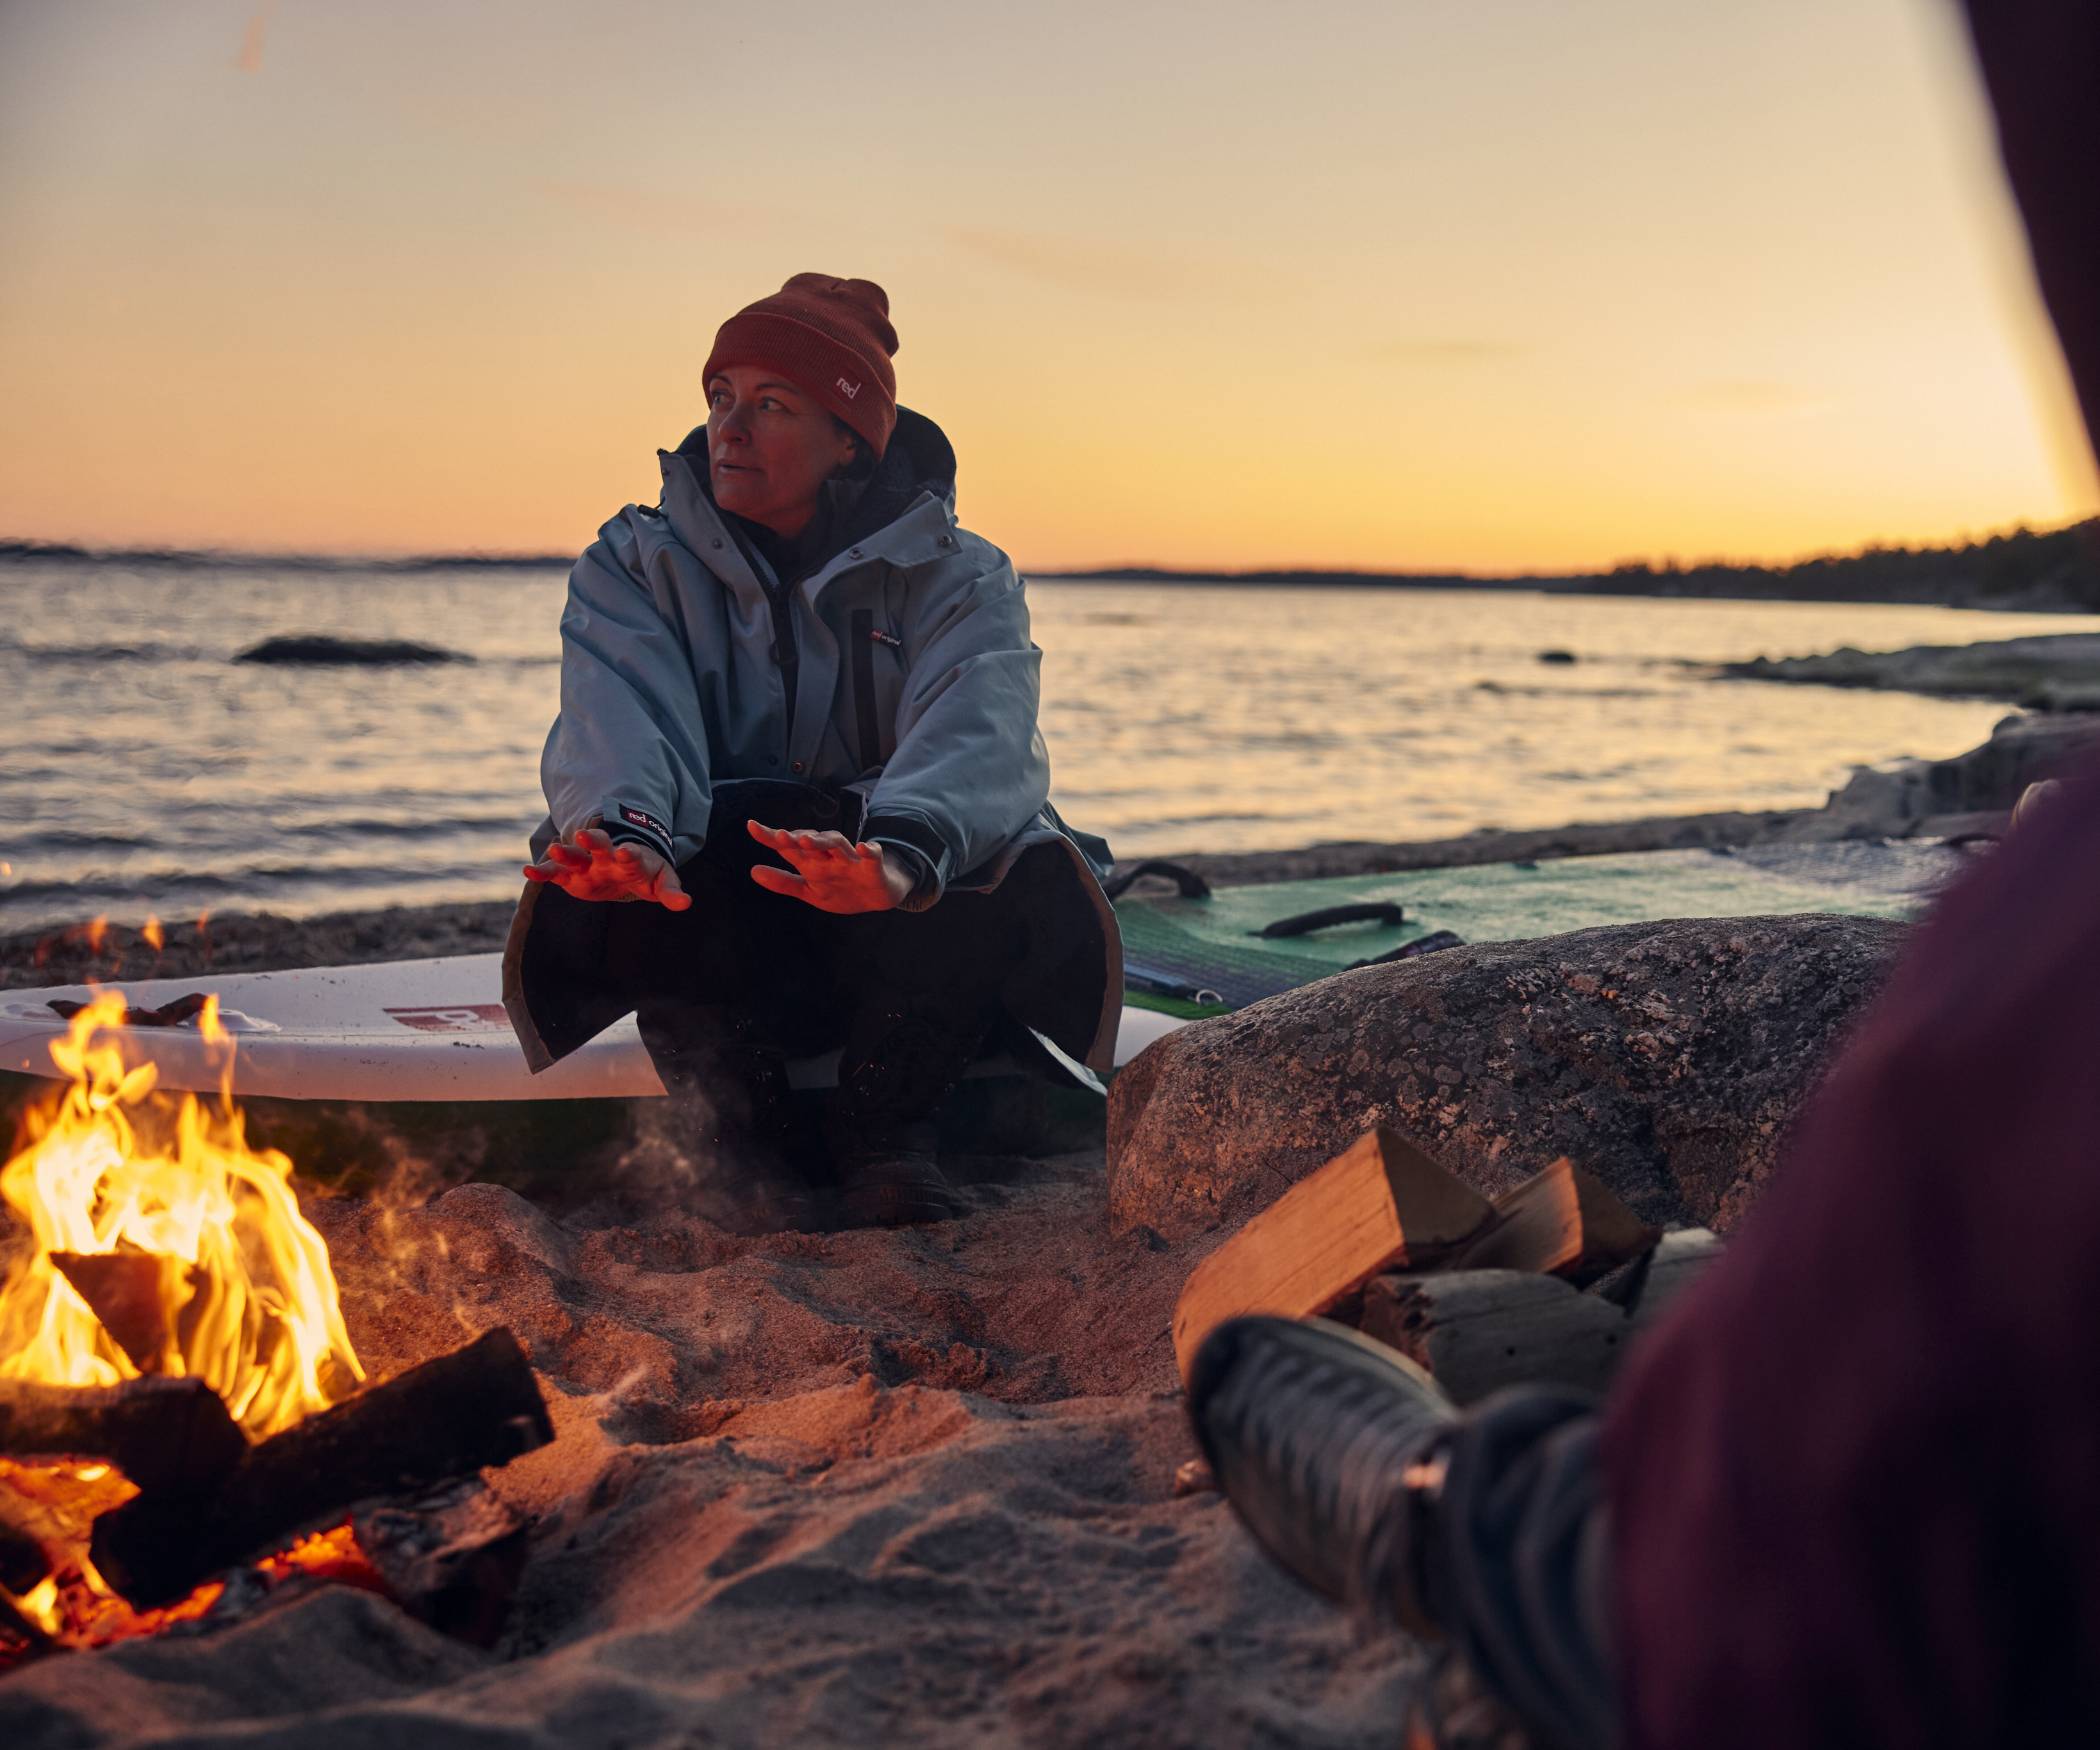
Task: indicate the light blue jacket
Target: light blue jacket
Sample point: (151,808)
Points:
(916,687)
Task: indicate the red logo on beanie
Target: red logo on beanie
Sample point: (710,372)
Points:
(849,390)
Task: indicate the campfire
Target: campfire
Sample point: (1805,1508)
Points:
(185,1426)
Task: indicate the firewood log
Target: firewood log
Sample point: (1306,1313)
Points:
(1561,1222)
(23,1561)
(447,1418)
(451,1558)
(1381,1205)
(169,1436)
(131,1294)
(1480,1330)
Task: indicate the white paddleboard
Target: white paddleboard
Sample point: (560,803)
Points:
(404,1030)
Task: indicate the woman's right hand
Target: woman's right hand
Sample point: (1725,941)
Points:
(590,866)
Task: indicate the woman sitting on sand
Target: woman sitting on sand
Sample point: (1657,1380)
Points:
(798,737)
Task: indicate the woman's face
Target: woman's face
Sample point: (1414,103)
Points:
(770,447)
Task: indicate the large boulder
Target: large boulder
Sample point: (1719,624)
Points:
(1668,1058)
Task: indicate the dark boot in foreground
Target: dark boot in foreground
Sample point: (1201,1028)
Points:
(1482,1527)
(1329,1447)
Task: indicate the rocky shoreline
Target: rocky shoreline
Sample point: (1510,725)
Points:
(1968,794)
(2058,671)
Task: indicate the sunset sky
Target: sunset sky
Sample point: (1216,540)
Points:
(1416,284)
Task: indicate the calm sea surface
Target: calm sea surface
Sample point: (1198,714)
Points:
(143,772)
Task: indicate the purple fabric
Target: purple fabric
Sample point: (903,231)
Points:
(1854,1481)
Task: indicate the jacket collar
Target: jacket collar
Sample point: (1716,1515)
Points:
(898,512)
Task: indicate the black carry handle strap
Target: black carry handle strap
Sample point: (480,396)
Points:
(1435,942)
(1192,885)
(1368,911)
(173,1013)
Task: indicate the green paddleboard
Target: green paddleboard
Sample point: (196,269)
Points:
(1204,956)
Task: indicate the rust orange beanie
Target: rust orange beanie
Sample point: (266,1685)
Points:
(829,337)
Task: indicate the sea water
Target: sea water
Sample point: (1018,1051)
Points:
(144,771)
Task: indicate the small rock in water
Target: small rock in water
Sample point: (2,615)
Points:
(1561,656)
(347,652)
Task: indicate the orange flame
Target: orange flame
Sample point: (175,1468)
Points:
(156,937)
(247,1296)
(252,1302)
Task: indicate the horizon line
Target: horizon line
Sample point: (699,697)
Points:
(25,547)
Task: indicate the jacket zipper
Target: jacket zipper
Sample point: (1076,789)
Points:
(864,637)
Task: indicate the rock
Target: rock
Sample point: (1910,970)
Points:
(2057,671)
(1667,1058)
(318,648)
(1890,800)
(1557,656)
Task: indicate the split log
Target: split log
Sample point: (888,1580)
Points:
(169,1436)
(1477,1331)
(451,1559)
(1562,1222)
(447,1418)
(134,1295)
(1381,1205)
(1480,1330)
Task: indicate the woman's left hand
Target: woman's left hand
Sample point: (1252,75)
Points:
(831,872)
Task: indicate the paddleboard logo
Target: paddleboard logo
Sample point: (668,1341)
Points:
(850,390)
(459,1018)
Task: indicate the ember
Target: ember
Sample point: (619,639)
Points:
(176,1380)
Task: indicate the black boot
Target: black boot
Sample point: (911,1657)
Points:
(733,1115)
(1330,1448)
(896,1069)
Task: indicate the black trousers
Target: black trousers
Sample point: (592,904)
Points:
(723,991)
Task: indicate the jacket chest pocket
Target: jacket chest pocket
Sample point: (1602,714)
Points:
(877,668)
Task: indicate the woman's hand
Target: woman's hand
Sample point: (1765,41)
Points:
(831,872)
(591,866)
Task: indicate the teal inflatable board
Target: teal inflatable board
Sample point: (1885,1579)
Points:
(1199,956)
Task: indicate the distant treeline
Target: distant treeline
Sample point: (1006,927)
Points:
(2053,571)
(2056,570)
(65,552)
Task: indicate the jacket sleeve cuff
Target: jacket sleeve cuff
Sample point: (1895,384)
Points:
(623,823)
(929,856)
(925,885)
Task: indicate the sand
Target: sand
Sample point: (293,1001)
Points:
(911,1486)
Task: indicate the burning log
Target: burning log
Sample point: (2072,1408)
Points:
(18,1636)
(451,1559)
(131,1292)
(23,1560)
(445,1419)
(169,1436)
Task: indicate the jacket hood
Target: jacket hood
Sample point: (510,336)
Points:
(918,461)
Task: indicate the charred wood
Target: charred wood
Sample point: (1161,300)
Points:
(447,1418)
(451,1559)
(169,1436)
